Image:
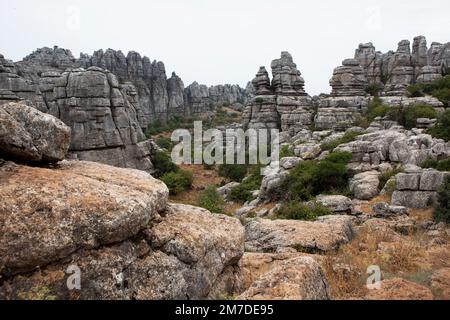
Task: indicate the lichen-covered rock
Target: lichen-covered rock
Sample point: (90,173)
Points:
(400,289)
(48,214)
(29,135)
(116,227)
(324,235)
(300,278)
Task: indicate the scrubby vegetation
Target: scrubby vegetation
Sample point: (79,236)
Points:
(348,137)
(410,115)
(406,117)
(442,212)
(243,192)
(307,180)
(285,151)
(211,200)
(163,164)
(178,181)
(295,210)
(374,89)
(386,176)
(442,129)
(164,143)
(235,172)
(441,165)
(439,89)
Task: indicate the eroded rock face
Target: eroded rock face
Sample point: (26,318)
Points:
(282,104)
(29,135)
(324,235)
(418,188)
(300,278)
(349,80)
(118,230)
(395,71)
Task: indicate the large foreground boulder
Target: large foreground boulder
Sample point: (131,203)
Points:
(29,135)
(323,235)
(115,227)
(300,278)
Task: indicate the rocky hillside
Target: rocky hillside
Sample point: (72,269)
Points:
(108,100)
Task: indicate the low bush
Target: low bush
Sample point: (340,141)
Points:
(411,114)
(311,178)
(295,210)
(442,212)
(386,176)
(441,165)
(374,89)
(442,129)
(235,172)
(211,200)
(285,151)
(178,181)
(164,143)
(243,192)
(440,89)
(163,164)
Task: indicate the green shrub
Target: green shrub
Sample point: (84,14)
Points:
(285,151)
(295,210)
(259,100)
(211,200)
(440,89)
(311,178)
(442,129)
(164,143)
(163,164)
(411,114)
(442,211)
(235,172)
(386,176)
(415,90)
(441,165)
(178,182)
(348,137)
(374,89)
(243,192)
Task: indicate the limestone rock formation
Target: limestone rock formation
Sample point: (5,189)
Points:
(324,235)
(118,230)
(282,104)
(299,278)
(418,188)
(29,135)
(349,80)
(395,71)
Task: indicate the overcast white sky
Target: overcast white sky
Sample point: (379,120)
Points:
(225,41)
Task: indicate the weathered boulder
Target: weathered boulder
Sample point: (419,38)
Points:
(323,235)
(299,278)
(288,163)
(48,214)
(118,231)
(336,203)
(383,210)
(287,78)
(365,185)
(400,289)
(29,135)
